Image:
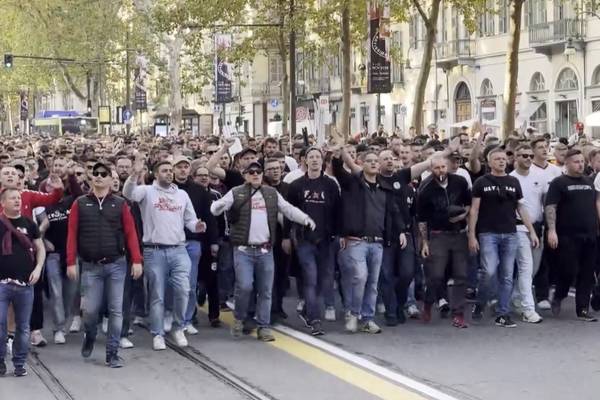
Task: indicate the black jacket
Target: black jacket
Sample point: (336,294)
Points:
(352,210)
(201,200)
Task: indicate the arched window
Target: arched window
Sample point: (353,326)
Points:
(462,103)
(487,89)
(567,80)
(538,83)
(596,76)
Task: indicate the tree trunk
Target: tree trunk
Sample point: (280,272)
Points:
(344,122)
(512,68)
(285,81)
(419,101)
(174,45)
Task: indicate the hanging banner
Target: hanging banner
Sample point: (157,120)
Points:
(378,55)
(223,75)
(24,107)
(139,79)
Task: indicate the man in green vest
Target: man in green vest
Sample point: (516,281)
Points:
(252,210)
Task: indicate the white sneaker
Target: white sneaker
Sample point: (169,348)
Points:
(9,344)
(37,339)
(532,317)
(330,314)
(380,308)
(230,303)
(139,321)
(544,305)
(105,325)
(413,311)
(59,337)
(125,343)
(191,330)
(158,343)
(179,338)
(300,306)
(168,322)
(442,302)
(351,324)
(370,327)
(75,324)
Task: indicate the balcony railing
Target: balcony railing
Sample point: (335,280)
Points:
(555,31)
(456,49)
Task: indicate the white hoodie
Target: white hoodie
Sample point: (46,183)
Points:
(165,212)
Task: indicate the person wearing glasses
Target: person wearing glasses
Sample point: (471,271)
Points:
(252,210)
(100,230)
(534,187)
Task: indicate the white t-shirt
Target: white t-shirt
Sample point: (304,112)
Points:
(549,173)
(293,175)
(534,187)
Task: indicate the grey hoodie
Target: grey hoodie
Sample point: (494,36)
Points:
(165,212)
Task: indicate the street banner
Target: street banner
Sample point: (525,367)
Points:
(223,75)
(378,55)
(140,74)
(24,109)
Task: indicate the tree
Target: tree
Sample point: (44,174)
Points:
(512,66)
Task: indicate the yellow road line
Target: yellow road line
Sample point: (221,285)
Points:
(358,377)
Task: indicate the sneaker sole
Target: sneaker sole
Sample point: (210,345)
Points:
(506,326)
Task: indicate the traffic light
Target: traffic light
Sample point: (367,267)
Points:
(8,61)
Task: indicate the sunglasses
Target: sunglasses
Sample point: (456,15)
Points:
(21,176)
(527,156)
(254,172)
(79,173)
(210,153)
(509,153)
(103,174)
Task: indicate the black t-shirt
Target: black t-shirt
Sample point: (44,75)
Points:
(575,199)
(404,193)
(18,265)
(58,216)
(434,200)
(233,178)
(374,210)
(499,198)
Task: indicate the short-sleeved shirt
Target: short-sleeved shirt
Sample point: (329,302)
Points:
(18,265)
(575,200)
(499,196)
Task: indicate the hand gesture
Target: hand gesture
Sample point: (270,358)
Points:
(227,143)
(535,242)
(34,276)
(136,270)
(454,144)
(214,250)
(552,239)
(55,182)
(402,241)
(310,223)
(473,244)
(425,250)
(138,165)
(72,272)
(200,226)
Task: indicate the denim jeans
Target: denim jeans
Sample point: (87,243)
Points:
(316,262)
(96,281)
(254,269)
(397,272)
(194,250)
(360,274)
(62,291)
(21,298)
(225,270)
(167,266)
(528,263)
(498,252)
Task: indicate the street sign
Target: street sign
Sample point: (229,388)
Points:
(403,109)
(24,107)
(324,103)
(127,116)
(301,113)
(274,103)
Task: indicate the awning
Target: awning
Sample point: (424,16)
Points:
(593,119)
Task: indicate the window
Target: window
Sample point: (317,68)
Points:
(486,21)
(539,119)
(462,102)
(413,27)
(536,11)
(503,16)
(596,76)
(397,66)
(275,69)
(486,88)
(538,83)
(567,80)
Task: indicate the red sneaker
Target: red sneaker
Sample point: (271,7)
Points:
(458,321)
(426,317)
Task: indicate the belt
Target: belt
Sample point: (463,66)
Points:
(449,232)
(266,246)
(372,239)
(160,246)
(103,260)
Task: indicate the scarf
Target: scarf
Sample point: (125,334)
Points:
(7,248)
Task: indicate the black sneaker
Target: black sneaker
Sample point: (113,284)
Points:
(20,371)
(315,328)
(391,321)
(584,315)
(249,327)
(471,294)
(113,360)
(88,346)
(304,319)
(445,311)
(215,323)
(401,316)
(2,368)
(555,305)
(505,321)
(477,312)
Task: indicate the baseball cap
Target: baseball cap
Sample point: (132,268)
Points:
(100,164)
(180,159)
(253,164)
(20,165)
(579,125)
(246,151)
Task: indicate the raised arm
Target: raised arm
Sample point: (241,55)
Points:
(213,162)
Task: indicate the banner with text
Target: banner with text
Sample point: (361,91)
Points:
(378,56)
(223,77)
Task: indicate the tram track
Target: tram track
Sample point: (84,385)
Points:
(47,377)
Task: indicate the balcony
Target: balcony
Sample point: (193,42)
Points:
(455,52)
(319,85)
(265,90)
(549,37)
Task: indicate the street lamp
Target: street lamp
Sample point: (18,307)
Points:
(569,48)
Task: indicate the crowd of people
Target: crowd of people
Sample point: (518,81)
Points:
(113,232)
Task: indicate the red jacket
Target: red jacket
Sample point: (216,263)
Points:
(31,200)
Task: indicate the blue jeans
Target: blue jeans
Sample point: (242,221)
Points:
(21,298)
(498,252)
(96,280)
(316,262)
(254,269)
(167,266)
(62,291)
(360,274)
(194,250)
(397,272)
(225,271)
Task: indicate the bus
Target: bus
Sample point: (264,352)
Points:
(58,126)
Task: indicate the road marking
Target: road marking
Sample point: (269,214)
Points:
(363,374)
